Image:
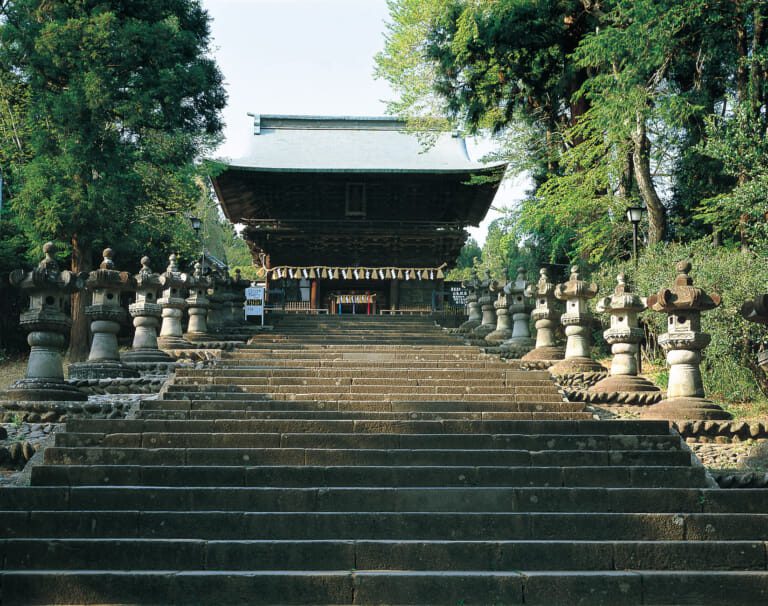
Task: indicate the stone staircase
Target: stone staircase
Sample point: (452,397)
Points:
(373,460)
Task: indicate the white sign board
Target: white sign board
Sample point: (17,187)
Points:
(254,302)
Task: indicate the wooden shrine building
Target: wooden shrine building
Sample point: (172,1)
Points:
(354,206)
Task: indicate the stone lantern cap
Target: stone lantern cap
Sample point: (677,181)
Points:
(198,280)
(147,279)
(107,277)
(173,278)
(683,296)
(575,287)
(473,284)
(47,276)
(623,300)
(543,288)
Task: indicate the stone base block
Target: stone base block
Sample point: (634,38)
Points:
(621,389)
(482,331)
(37,390)
(576,365)
(517,348)
(673,409)
(169,343)
(547,354)
(497,337)
(212,343)
(468,326)
(59,412)
(137,357)
(101,370)
(534,364)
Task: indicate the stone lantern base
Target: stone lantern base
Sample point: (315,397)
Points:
(41,390)
(140,358)
(685,408)
(517,347)
(482,331)
(576,365)
(624,389)
(105,369)
(498,336)
(468,326)
(552,353)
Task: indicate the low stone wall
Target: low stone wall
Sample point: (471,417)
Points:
(720,431)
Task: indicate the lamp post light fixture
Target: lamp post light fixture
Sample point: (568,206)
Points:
(634,216)
(197,225)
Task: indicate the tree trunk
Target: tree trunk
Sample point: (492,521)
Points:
(657,217)
(79,336)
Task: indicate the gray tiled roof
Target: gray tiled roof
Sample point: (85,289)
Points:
(350,144)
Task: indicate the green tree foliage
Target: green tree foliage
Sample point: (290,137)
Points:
(121,98)
(470,253)
(605,103)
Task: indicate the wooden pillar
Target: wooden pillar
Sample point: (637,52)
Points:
(313,294)
(394,294)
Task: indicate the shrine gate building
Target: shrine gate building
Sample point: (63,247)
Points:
(355,210)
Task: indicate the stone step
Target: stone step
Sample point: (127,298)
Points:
(370,365)
(184,392)
(363,475)
(521,442)
(455,499)
(387,374)
(424,588)
(362,347)
(400,456)
(449,385)
(195,554)
(584,428)
(400,409)
(204,414)
(423,525)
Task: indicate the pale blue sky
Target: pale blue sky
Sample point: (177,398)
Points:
(303,57)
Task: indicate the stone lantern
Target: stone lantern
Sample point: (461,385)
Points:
(577,320)
(624,337)
(503,330)
(684,342)
(234,314)
(146,312)
(47,325)
(173,304)
(218,295)
(547,316)
(756,311)
(198,305)
(520,342)
(106,314)
(485,299)
(473,307)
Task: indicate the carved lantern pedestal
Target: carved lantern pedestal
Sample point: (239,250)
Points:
(503,328)
(547,317)
(684,342)
(624,336)
(485,299)
(577,320)
(198,305)
(173,304)
(47,326)
(146,312)
(520,342)
(106,315)
(473,307)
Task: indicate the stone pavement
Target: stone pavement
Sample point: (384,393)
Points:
(368,460)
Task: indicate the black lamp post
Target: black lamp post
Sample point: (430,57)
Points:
(197,225)
(634,216)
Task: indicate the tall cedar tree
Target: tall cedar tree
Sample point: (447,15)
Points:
(123,97)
